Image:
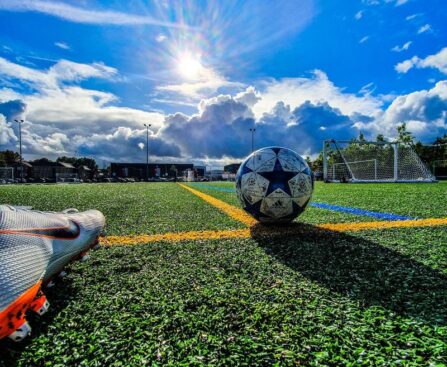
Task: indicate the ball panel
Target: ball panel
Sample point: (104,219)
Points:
(254,187)
(278,204)
(290,161)
(301,185)
(262,161)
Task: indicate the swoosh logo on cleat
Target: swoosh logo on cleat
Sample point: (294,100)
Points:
(59,233)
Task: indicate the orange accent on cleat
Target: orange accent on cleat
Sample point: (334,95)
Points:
(40,305)
(12,318)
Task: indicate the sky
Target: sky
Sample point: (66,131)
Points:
(85,76)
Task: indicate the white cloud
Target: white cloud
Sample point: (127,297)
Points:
(62,71)
(425,28)
(206,82)
(296,112)
(404,47)
(359,15)
(436,61)
(424,111)
(6,132)
(317,89)
(413,16)
(364,39)
(83,15)
(378,2)
(62,45)
(161,37)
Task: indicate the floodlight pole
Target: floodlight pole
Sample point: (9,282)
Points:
(147,150)
(20,147)
(252,129)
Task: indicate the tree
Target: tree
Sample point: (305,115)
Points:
(77,162)
(404,136)
(9,158)
(380,138)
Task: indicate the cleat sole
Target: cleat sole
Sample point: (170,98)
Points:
(21,332)
(12,318)
(40,305)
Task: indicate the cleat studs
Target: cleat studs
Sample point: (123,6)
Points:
(21,332)
(62,274)
(50,284)
(40,305)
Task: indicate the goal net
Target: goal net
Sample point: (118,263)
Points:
(6,173)
(362,161)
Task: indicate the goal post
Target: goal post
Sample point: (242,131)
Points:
(364,161)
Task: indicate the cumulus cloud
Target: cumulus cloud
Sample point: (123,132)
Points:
(317,88)
(61,118)
(425,113)
(436,61)
(59,113)
(7,134)
(125,144)
(221,128)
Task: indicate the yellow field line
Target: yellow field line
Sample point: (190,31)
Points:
(230,210)
(267,231)
(362,226)
(175,237)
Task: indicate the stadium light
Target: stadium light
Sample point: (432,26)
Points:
(252,129)
(20,147)
(147,150)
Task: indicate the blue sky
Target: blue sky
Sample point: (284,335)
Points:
(87,74)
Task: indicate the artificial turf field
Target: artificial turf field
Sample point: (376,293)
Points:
(351,294)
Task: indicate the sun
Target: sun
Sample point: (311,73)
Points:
(189,66)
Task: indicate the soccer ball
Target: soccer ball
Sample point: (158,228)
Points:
(274,185)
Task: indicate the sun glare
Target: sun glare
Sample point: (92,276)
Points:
(189,66)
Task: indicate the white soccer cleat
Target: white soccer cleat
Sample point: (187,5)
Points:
(34,247)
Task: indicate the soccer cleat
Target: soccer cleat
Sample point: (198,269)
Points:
(34,247)
(23,263)
(74,234)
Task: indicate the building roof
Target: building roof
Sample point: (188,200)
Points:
(66,165)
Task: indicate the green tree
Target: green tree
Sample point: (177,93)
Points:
(9,158)
(404,136)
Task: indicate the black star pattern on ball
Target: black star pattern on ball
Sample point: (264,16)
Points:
(278,179)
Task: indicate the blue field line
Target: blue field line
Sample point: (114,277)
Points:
(336,208)
(357,211)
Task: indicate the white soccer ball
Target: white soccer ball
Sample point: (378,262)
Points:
(274,184)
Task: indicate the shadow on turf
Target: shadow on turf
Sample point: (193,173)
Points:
(359,269)
(59,296)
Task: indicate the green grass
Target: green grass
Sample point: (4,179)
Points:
(374,298)
(129,208)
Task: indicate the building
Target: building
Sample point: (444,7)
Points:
(85,173)
(232,168)
(155,170)
(53,171)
